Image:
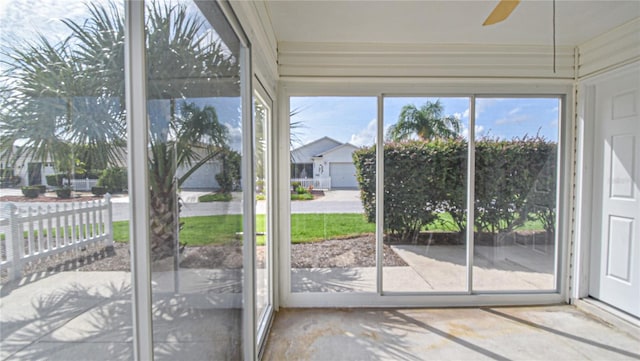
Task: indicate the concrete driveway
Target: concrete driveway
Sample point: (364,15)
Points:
(336,201)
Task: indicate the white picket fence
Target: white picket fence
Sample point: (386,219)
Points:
(29,233)
(317,183)
(81,184)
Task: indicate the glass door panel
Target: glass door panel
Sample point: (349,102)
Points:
(195,157)
(332,217)
(515,246)
(425,194)
(262,169)
(65,267)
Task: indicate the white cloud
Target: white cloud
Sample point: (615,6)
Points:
(513,119)
(479,130)
(366,136)
(514,111)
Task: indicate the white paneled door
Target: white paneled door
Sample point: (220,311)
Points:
(615,276)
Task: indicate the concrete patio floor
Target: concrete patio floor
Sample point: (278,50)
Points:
(507,333)
(88,316)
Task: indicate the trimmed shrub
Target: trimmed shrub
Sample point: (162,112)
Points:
(63,192)
(55,180)
(31,191)
(302,190)
(41,188)
(114,179)
(229,177)
(510,177)
(99,191)
(515,182)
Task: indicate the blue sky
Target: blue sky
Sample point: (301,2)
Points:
(353,119)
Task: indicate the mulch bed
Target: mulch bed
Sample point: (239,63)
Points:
(351,252)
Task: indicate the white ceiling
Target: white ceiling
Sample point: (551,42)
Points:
(445,22)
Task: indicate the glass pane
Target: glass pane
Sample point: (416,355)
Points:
(64,242)
(195,158)
(425,194)
(261,118)
(515,194)
(332,211)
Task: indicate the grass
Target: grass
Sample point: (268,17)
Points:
(203,230)
(215,197)
(302,197)
(319,226)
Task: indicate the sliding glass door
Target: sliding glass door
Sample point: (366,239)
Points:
(468,202)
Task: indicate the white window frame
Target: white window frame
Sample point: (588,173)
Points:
(426,87)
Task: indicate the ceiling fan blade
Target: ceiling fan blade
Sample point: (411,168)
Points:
(501,11)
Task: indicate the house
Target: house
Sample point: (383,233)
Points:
(327,162)
(585,54)
(29,171)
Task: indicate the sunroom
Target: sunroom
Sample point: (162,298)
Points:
(496,165)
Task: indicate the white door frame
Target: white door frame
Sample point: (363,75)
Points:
(585,186)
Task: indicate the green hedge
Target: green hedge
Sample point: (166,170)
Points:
(515,180)
(55,180)
(113,179)
(99,191)
(63,192)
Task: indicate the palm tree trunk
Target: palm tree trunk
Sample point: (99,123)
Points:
(163,217)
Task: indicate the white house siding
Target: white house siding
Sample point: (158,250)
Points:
(203,178)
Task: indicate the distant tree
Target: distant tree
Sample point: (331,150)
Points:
(427,123)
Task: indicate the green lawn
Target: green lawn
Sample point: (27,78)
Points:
(204,230)
(220,229)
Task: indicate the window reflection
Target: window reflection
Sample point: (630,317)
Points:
(195,134)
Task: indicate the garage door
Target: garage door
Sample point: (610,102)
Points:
(343,175)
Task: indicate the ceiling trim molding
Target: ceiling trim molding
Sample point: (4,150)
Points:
(423,60)
(613,49)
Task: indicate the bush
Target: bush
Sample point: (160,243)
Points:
(424,179)
(55,180)
(114,179)
(7,178)
(295,185)
(99,191)
(31,191)
(215,197)
(41,188)
(229,177)
(63,192)
(302,190)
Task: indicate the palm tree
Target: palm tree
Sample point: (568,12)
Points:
(427,123)
(70,95)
